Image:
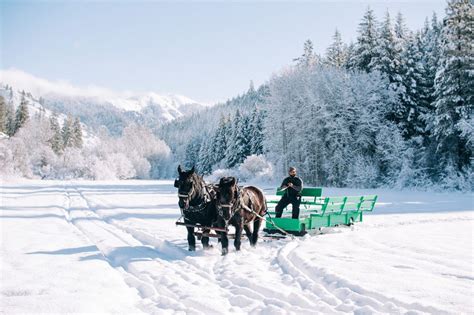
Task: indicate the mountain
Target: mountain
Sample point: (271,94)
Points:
(115,113)
(35,107)
(98,107)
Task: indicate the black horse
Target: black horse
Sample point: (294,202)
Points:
(239,207)
(197,204)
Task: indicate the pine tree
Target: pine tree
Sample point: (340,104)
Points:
(251,90)
(21,115)
(401,31)
(430,49)
(308,58)
(204,162)
(246,133)
(192,153)
(77,140)
(387,59)
(411,110)
(219,143)
(3,115)
(366,47)
(66,133)
(10,123)
(237,144)
(430,46)
(454,86)
(56,141)
(351,61)
(336,54)
(256,140)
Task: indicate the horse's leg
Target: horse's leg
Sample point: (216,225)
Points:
(191,239)
(238,224)
(225,243)
(224,239)
(205,239)
(256,227)
(238,235)
(248,232)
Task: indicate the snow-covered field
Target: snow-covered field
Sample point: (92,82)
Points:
(113,247)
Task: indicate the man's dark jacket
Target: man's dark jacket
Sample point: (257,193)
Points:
(295,191)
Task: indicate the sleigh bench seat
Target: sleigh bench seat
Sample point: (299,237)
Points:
(318,212)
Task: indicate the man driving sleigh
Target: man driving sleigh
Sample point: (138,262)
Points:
(292,186)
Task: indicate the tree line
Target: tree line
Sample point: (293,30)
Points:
(393,108)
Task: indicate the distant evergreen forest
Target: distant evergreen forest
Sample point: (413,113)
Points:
(392,109)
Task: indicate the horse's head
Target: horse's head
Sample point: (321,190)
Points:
(226,196)
(185,184)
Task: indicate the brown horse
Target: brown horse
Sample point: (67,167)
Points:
(239,207)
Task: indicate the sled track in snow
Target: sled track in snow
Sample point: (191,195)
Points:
(340,292)
(146,263)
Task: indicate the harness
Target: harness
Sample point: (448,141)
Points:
(231,206)
(206,193)
(239,202)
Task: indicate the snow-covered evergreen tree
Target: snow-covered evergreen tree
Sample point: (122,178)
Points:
(454,86)
(400,29)
(77,140)
(3,115)
(387,59)
(309,58)
(410,111)
(192,153)
(351,57)
(336,53)
(219,142)
(366,47)
(256,123)
(56,140)
(10,124)
(205,156)
(237,141)
(67,132)
(21,115)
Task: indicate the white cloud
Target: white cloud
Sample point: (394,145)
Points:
(21,80)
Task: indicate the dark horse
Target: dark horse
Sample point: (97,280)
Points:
(239,207)
(197,204)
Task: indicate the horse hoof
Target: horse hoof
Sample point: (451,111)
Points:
(207,247)
(192,248)
(224,251)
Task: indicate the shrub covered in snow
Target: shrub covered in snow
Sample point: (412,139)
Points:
(221,172)
(29,153)
(256,168)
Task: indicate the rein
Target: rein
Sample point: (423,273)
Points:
(242,204)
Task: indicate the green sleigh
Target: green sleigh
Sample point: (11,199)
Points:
(317,212)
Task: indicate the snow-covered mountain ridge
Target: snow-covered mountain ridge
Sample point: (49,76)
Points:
(113,108)
(36,108)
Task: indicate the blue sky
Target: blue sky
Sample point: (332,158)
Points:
(208,51)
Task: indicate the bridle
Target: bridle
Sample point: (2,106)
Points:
(190,195)
(234,203)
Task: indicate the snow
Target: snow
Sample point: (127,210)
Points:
(113,247)
(169,103)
